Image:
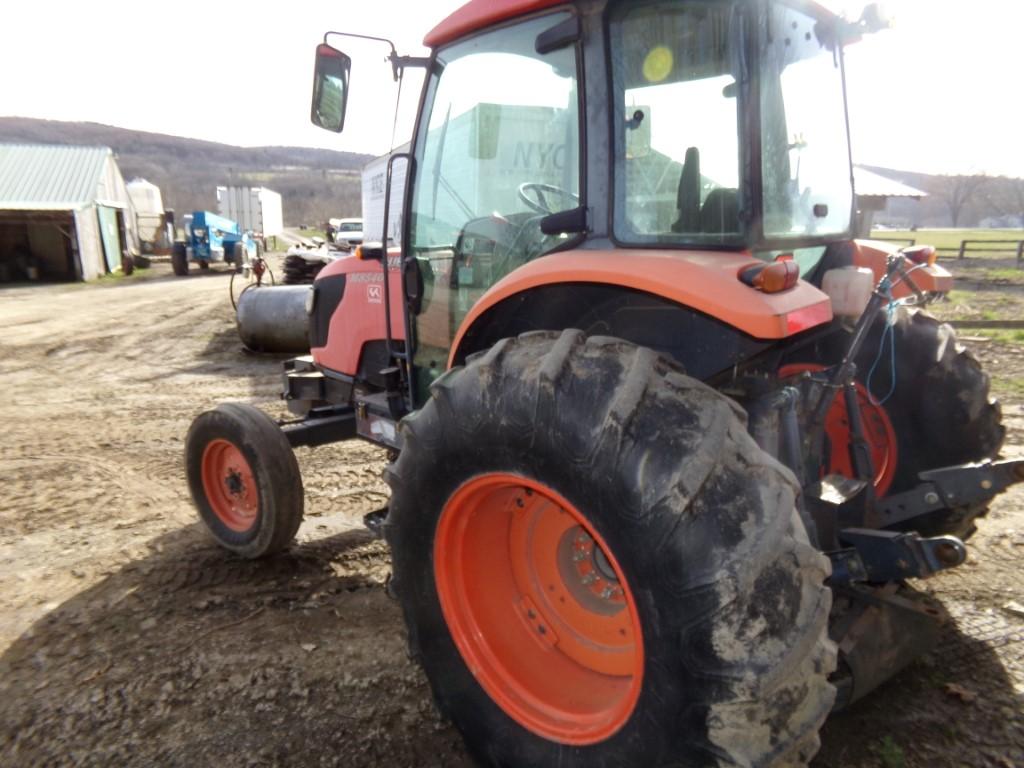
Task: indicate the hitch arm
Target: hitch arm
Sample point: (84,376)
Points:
(950,487)
(882,556)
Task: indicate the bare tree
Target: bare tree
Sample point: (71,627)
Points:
(958,193)
(1006,197)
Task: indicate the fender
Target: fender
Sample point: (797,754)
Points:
(703,281)
(873,254)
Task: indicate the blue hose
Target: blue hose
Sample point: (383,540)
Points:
(888,333)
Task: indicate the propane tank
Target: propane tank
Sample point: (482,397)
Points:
(274,318)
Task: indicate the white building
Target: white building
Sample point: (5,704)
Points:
(65,213)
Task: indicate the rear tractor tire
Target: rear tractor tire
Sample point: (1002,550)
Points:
(179,259)
(598,566)
(244,480)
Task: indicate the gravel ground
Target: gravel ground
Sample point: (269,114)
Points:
(126,637)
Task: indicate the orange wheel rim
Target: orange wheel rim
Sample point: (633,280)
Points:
(230,485)
(878,431)
(539,608)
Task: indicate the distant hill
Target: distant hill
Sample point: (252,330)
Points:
(315,184)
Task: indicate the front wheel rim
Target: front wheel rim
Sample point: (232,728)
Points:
(230,485)
(539,608)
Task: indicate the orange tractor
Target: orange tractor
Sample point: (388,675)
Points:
(667,442)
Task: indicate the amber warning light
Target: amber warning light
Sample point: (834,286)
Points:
(771,278)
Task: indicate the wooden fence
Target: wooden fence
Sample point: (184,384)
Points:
(966,247)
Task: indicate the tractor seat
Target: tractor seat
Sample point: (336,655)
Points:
(720,212)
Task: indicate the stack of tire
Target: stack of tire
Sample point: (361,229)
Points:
(299,270)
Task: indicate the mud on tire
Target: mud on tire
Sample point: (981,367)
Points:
(702,524)
(244,479)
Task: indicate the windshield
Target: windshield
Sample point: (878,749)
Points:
(674,72)
(497,151)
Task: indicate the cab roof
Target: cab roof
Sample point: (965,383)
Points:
(479,14)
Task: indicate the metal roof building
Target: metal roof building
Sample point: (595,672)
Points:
(65,213)
(873,194)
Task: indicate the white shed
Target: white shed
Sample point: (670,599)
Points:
(65,213)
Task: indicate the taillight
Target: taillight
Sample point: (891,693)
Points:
(921,254)
(771,278)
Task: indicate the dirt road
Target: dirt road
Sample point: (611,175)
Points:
(127,638)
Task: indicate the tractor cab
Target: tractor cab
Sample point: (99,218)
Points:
(661,129)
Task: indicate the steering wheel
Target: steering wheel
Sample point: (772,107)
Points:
(535,195)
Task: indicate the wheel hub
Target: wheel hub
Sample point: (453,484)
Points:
(587,574)
(234,482)
(229,485)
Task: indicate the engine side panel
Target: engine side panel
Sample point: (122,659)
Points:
(344,321)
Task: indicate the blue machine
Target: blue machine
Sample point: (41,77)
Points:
(211,238)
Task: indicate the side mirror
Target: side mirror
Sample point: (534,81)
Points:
(330,88)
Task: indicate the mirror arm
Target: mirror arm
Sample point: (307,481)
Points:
(362,37)
(398,63)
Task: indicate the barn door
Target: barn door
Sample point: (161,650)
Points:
(109,232)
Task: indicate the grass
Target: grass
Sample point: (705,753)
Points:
(1007,387)
(891,753)
(1003,274)
(981,300)
(309,234)
(998,334)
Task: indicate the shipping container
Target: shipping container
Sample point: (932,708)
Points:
(256,209)
(374,181)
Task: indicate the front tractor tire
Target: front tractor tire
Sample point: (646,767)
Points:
(598,566)
(244,480)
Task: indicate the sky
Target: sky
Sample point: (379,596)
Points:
(939,93)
